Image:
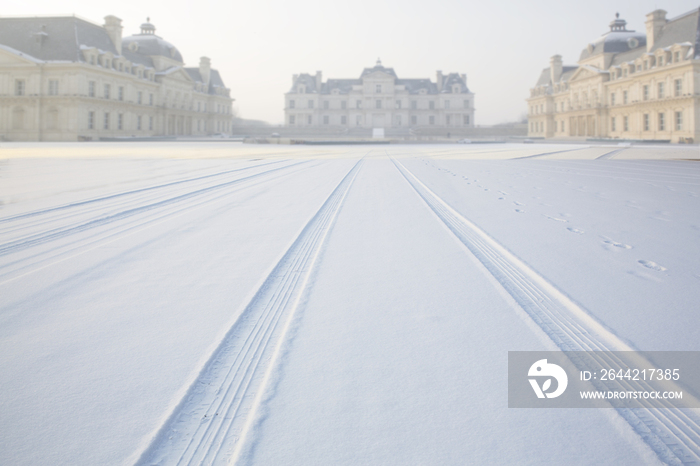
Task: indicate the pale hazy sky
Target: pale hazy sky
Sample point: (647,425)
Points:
(258,45)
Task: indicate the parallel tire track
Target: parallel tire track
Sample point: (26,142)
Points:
(101,220)
(211,423)
(139,192)
(673,434)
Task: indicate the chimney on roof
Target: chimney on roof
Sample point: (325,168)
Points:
(205,69)
(319,80)
(555,68)
(655,21)
(439,80)
(113,25)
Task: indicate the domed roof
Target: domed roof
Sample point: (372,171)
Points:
(618,39)
(149,44)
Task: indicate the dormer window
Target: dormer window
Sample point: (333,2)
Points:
(92,59)
(301,89)
(455,89)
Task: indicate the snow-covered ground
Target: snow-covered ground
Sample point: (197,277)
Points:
(203,303)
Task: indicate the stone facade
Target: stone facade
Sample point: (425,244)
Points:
(379,99)
(627,85)
(67,79)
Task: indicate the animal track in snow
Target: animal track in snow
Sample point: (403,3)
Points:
(518,203)
(520,211)
(652,265)
(575,230)
(615,243)
(556,218)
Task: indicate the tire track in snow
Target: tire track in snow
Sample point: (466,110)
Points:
(673,434)
(210,424)
(139,191)
(31,240)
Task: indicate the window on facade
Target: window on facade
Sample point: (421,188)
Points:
(108,91)
(309,119)
(139,97)
(138,123)
(91,89)
(120,121)
(612,99)
(378,103)
(398,104)
(53,87)
(379,89)
(358,104)
(612,124)
(431,105)
(465,119)
(661,91)
(291,104)
(91,120)
(150,123)
(447,104)
(292,119)
(679,121)
(120,93)
(625,123)
(398,120)
(431,120)
(676,57)
(414,104)
(106,120)
(414,120)
(447,119)
(311,104)
(678,87)
(358,120)
(624,97)
(562,126)
(19,87)
(150,99)
(326,119)
(343,120)
(646,122)
(662,122)
(326,104)
(661,61)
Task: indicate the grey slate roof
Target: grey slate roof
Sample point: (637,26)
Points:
(214,79)
(62,40)
(449,80)
(545,78)
(683,28)
(151,44)
(614,42)
(344,86)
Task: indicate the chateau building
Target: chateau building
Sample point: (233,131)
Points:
(68,79)
(379,99)
(627,85)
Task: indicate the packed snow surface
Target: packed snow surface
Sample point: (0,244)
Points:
(216,303)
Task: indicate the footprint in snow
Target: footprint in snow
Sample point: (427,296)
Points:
(652,265)
(520,211)
(518,203)
(557,219)
(615,243)
(575,230)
